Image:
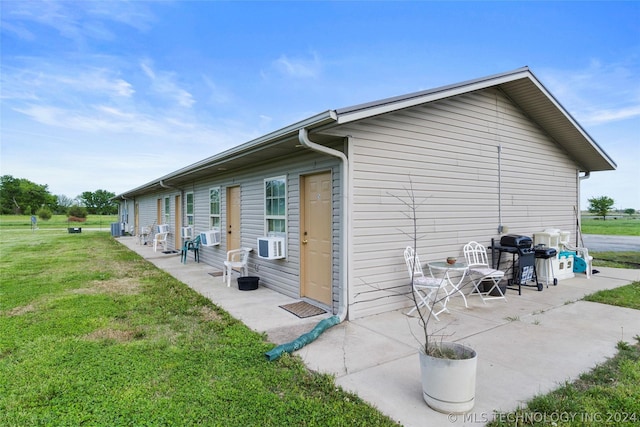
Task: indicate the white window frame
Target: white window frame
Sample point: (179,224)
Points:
(167,210)
(190,215)
(215,218)
(271,218)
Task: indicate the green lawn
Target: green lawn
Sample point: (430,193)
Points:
(616,259)
(92,334)
(618,227)
(23,222)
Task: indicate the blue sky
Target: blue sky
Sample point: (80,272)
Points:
(111,95)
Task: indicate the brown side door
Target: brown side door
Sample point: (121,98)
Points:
(316,260)
(158,214)
(233,218)
(178,222)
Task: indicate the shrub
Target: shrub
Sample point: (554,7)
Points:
(76,212)
(44,213)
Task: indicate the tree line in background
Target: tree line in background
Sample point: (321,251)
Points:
(602,205)
(19,196)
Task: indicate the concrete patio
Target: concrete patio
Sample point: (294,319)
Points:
(527,345)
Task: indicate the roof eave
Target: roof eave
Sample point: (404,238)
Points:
(321,119)
(364,111)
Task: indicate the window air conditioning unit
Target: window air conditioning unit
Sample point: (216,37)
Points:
(271,247)
(163,228)
(186,232)
(210,238)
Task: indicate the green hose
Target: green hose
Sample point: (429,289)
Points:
(303,339)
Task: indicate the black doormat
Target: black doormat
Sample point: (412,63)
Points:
(169,252)
(303,309)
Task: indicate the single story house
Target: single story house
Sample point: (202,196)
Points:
(484,157)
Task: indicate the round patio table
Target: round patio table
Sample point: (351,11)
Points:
(441,269)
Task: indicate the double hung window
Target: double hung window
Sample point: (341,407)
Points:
(275,206)
(167,210)
(214,208)
(190,214)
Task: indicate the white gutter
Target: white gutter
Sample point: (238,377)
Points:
(579,241)
(303,136)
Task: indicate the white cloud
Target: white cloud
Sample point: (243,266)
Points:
(46,80)
(600,93)
(78,21)
(98,119)
(265,121)
(298,68)
(18,30)
(606,116)
(217,95)
(164,83)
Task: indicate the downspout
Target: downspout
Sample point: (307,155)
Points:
(579,242)
(126,210)
(500,226)
(168,187)
(171,187)
(325,324)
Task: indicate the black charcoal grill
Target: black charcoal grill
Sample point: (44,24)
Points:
(523,260)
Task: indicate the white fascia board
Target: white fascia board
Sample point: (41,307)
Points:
(291,130)
(573,122)
(391,106)
(317,120)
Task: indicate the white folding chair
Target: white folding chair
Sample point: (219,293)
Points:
(479,271)
(237,259)
(144,235)
(424,287)
(160,237)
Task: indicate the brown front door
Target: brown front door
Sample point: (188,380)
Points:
(233,218)
(316,265)
(178,222)
(158,214)
(136,219)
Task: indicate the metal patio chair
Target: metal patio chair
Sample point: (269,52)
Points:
(426,288)
(479,271)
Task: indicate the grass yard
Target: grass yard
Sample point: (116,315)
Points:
(616,259)
(626,296)
(617,227)
(23,222)
(92,334)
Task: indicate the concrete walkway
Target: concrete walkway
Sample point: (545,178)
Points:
(528,345)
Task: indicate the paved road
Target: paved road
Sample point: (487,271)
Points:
(602,243)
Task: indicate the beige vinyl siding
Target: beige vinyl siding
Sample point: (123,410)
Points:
(448,149)
(148,213)
(281,275)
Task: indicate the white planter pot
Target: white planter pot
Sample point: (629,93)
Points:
(449,385)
